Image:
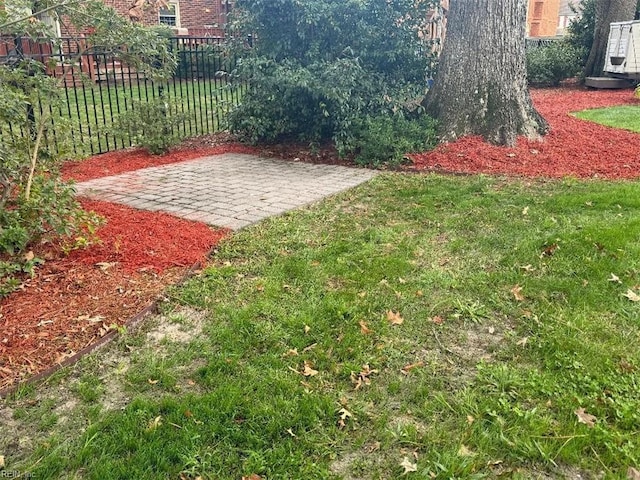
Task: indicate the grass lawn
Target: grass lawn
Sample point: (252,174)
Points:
(624,116)
(446,327)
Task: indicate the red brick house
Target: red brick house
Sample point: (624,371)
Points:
(186,17)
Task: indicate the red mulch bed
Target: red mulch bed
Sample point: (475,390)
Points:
(574,147)
(75,299)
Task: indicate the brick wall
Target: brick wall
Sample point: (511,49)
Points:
(195,14)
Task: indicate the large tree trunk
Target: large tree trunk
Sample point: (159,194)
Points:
(481,84)
(607,11)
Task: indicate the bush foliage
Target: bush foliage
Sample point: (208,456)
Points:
(318,68)
(549,65)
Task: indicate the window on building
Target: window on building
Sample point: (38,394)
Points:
(170,15)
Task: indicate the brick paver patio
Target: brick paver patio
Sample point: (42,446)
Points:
(230,190)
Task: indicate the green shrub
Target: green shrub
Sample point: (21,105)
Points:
(319,67)
(386,139)
(205,61)
(151,124)
(549,65)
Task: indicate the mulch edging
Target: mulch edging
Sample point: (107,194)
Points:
(133,324)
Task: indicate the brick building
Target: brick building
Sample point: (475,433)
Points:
(542,18)
(186,17)
(550,18)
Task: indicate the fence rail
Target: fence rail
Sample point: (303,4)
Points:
(98,89)
(533,43)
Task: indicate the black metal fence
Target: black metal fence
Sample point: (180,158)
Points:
(99,90)
(533,43)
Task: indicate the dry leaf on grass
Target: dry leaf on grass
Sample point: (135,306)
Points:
(394,318)
(407,368)
(253,476)
(614,278)
(438,320)
(364,329)
(308,371)
(363,377)
(586,418)
(516,293)
(633,473)
(464,451)
(631,295)
(155,423)
(408,466)
(344,416)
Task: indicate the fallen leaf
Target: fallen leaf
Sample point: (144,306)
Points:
(253,476)
(2,464)
(152,382)
(522,342)
(407,368)
(438,320)
(464,451)
(626,366)
(549,250)
(155,423)
(408,466)
(394,318)
(525,211)
(633,473)
(363,377)
(88,318)
(470,419)
(492,330)
(511,155)
(104,266)
(290,432)
(401,280)
(614,278)
(292,352)
(310,347)
(419,293)
(528,268)
(631,295)
(308,371)
(344,416)
(364,329)
(29,256)
(374,447)
(586,418)
(307,328)
(516,293)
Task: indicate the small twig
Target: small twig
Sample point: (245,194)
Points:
(448,350)
(34,159)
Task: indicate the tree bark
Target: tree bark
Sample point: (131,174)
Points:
(607,11)
(481,84)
